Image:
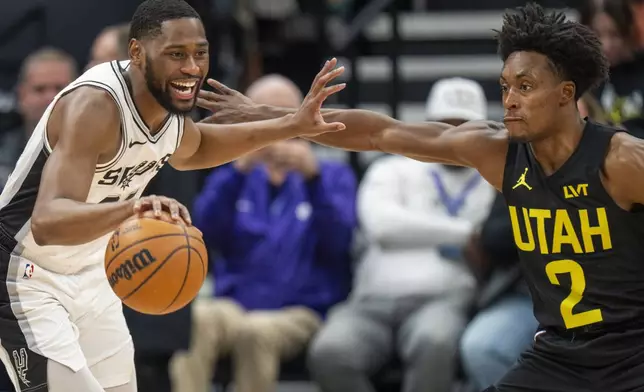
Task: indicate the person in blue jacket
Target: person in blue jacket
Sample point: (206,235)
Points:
(281,223)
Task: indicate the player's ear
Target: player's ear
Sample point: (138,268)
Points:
(567,92)
(136,51)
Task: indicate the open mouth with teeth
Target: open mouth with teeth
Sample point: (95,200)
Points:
(184,89)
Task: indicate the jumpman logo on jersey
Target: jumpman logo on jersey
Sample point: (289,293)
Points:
(522,181)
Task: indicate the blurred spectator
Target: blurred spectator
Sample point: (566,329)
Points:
(638,16)
(412,291)
(504,325)
(612,21)
(43,74)
(111,44)
(622,96)
(282,223)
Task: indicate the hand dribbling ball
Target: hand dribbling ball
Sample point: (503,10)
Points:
(156,266)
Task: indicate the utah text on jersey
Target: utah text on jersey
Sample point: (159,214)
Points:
(556,231)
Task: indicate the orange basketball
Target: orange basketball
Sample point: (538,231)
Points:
(155,266)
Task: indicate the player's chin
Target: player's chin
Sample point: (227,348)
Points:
(183,101)
(517,131)
(183,106)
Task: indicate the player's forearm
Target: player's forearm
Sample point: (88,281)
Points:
(365,130)
(69,222)
(363,127)
(221,144)
(246,113)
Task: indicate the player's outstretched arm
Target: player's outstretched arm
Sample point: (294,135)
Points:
(207,145)
(482,145)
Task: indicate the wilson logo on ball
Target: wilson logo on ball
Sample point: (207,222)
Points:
(137,263)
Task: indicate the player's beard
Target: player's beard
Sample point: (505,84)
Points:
(163,97)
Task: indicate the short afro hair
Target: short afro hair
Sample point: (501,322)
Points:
(573,49)
(149,15)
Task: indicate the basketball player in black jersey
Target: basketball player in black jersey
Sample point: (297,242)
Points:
(574,188)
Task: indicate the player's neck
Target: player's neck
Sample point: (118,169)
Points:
(553,151)
(153,114)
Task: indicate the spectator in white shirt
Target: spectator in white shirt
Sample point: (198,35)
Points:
(412,290)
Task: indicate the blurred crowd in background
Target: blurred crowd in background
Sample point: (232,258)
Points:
(351,272)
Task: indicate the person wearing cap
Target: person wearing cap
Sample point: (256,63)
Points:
(412,290)
(455,101)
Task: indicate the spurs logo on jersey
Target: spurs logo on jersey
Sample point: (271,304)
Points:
(20,361)
(140,156)
(123,176)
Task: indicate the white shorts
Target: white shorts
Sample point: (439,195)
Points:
(75,320)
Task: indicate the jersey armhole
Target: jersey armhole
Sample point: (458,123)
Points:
(182,125)
(603,139)
(103,166)
(637,208)
(510,160)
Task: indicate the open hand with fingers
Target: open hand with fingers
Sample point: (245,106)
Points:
(229,106)
(160,206)
(308,116)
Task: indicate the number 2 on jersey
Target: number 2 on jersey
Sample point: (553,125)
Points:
(577,287)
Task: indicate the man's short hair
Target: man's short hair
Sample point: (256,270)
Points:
(46,54)
(150,15)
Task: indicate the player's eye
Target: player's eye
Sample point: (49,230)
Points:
(504,89)
(526,87)
(176,55)
(202,53)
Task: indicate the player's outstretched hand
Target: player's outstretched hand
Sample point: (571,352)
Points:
(228,106)
(308,117)
(159,204)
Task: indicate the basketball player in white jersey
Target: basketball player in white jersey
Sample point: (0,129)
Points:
(96,147)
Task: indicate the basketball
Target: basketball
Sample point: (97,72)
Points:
(156,266)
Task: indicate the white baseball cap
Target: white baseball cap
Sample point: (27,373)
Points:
(456,98)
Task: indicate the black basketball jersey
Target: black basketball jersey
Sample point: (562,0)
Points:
(582,255)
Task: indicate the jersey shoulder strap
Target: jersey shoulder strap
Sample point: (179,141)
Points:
(508,170)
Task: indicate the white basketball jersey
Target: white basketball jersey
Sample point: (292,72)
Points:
(139,158)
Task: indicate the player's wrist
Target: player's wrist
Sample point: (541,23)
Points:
(131,207)
(292,126)
(267,112)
